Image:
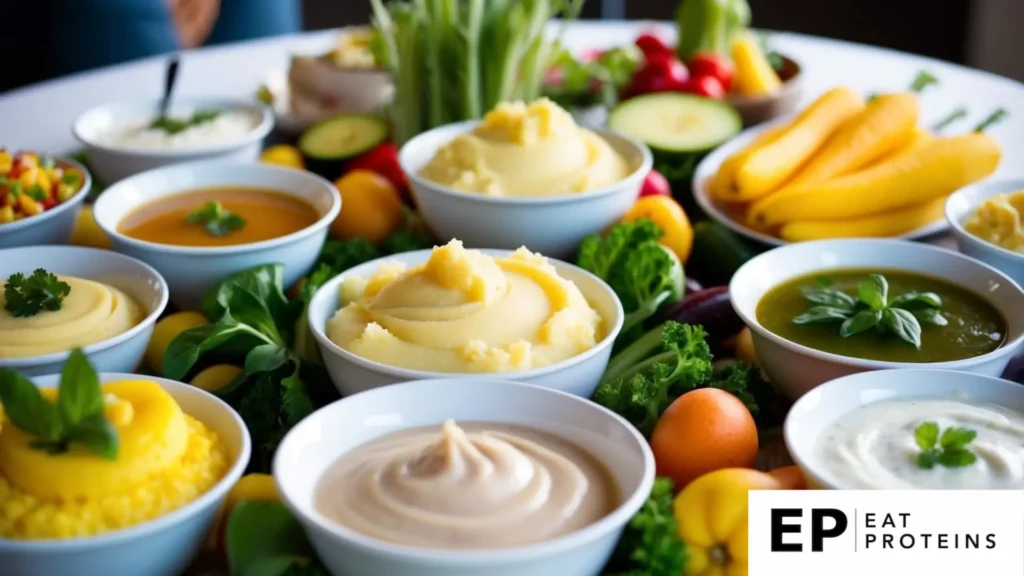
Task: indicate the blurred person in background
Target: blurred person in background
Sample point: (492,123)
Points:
(44,39)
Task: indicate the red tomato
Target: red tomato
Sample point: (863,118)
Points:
(711,64)
(384,161)
(655,185)
(707,86)
(650,43)
(658,74)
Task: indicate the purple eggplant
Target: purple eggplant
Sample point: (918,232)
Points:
(692,286)
(710,308)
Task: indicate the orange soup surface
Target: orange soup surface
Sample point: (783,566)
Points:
(266,213)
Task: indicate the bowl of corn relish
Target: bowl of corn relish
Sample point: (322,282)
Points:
(40,197)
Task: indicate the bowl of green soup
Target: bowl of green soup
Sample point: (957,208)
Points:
(826,309)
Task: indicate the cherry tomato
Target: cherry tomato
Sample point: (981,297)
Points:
(711,64)
(658,74)
(707,86)
(650,43)
(655,185)
(383,160)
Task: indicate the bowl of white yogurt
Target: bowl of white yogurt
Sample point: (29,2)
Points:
(125,138)
(911,429)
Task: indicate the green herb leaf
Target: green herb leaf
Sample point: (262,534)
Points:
(216,220)
(175,125)
(957,458)
(950,449)
(36,193)
(823,281)
(265,358)
(956,438)
(874,291)
(864,320)
(903,324)
(928,459)
(264,539)
(822,315)
(916,300)
(926,436)
(26,408)
(226,334)
(930,316)
(79,396)
(827,297)
(992,119)
(96,434)
(923,80)
(28,296)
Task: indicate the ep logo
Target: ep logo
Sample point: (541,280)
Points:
(824,523)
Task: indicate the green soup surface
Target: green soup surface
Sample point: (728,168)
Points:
(974,326)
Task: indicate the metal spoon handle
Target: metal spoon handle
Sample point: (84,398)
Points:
(169,79)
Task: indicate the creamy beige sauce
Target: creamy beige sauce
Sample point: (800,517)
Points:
(469,486)
(873,447)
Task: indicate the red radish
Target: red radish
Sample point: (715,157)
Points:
(650,43)
(715,65)
(383,159)
(707,86)
(658,74)
(655,185)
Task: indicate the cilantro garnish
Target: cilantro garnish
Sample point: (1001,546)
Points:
(950,449)
(216,220)
(28,296)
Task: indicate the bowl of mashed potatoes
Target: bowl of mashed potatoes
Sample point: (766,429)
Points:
(56,298)
(463,477)
(525,174)
(910,429)
(988,222)
(146,511)
(452,311)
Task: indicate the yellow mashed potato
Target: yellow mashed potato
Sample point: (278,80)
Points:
(464,311)
(1000,221)
(90,313)
(165,460)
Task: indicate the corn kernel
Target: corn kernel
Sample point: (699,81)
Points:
(6,215)
(28,206)
(45,182)
(6,162)
(29,176)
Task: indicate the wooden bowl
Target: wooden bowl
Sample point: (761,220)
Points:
(757,109)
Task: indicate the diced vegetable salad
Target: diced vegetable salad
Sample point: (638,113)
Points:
(31,184)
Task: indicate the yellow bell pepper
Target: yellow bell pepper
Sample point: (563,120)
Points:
(6,162)
(712,516)
(668,215)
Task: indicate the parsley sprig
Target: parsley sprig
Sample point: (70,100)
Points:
(30,295)
(872,308)
(216,220)
(76,418)
(950,449)
(175,125)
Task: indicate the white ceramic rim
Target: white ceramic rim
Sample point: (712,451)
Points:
(752,322)
(217,491)
(323,222)
(331,289)
(986,189)
(257,133)
(145,323)
(708,166)
(635,178)
(75,200)
(806,461)
(576,539)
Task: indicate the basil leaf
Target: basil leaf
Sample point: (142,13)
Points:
(822,315)
(957,438)
(874,291)
(26,408)
(916,301)
(186,348)
(264,536)
(860,322)
(265,358)
(930,316)
(96,434)
(833,298)
(903,324)
(957,458)
(79,395)
(926,435)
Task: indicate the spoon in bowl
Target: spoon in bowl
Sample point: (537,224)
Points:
(170,77)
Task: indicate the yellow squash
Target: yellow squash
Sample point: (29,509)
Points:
(768,167)
(754,75)
(877,226)
(921,137)
(930,172)
(723,185)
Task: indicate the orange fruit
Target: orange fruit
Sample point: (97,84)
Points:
(371,207)
(702,431)
(668,215)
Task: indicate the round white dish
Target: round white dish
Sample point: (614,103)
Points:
(553,226)
(796,369)
(319,440)
(708,167)
(122,353)
(166,545)
(578,375)
(112,162)
(962,204)
(817,410)
(53,226)
(192,271)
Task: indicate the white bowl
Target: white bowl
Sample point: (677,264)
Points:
(817,410)
(53,226)
(962,204)
(112,163)
(164,546)
(122,353)
(193,270)
(578,375)
(553,226)
(319,440)
(795,369)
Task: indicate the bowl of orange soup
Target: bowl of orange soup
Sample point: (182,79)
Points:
(201,222)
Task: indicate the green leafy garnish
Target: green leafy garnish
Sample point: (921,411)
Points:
(36,193)
(216,220)
(175,125)
(76,417)
(950,449)
(650,545)
(28,296)
(992,119)
(923,80)
(958,113)
(264,539)
(583,84)
(901,316)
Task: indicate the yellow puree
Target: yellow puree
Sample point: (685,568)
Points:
(464,311)
(527,151)
(1000,221)
(90,313)
(165,460)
